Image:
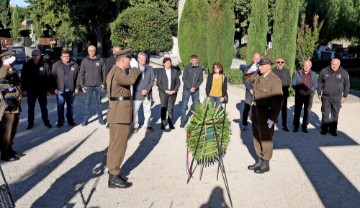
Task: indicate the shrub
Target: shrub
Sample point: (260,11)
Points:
(243,53)
(234,76)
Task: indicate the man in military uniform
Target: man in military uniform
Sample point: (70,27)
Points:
(119,114)
(333,88)
(267,96)
(10,120)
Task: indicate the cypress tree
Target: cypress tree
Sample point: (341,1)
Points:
(193,29)
(220,39)
(4,12)
(15,23)
(257,29)
(285,31)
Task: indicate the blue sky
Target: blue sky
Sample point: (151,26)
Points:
(20,3)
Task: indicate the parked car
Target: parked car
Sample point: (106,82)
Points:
(20,54)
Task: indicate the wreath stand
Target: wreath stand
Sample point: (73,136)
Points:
(212,122)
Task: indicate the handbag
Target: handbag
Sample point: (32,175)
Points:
(12,104)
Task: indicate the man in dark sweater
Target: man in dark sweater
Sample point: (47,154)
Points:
(92,79)
(192,78)
(36,84)
(333,88)
(65,73)
(284,75)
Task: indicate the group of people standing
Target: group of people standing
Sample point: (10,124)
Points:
(267,91)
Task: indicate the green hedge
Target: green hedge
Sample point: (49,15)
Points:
(234,76)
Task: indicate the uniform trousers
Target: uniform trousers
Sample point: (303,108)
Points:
(146,104)
(330,109)
(8,127)
(119,134)
(262,134)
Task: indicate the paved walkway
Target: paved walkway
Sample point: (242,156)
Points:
(65,167)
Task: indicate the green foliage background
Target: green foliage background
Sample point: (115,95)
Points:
(141,28)
(220,39)
(285,31)
(257,29)
(193,29)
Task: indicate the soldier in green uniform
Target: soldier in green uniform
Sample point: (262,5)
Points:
(10,120)
(119,114)
(267,102)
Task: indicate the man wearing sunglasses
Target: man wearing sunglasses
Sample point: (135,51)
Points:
(284,75)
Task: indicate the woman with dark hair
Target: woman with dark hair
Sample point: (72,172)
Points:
(168,83)
(216,85)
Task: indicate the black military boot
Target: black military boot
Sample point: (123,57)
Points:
(257,164)
(264,167)
(115,181)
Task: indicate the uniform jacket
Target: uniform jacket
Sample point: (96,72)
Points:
(9,78)
(192,77)
(209,86)
(36,77)
(267,93)
(57,72)
(118,85)
(248,86)
(285,78)
(331,83)
(92,72)
(144,83)
(162,81)
(298,85)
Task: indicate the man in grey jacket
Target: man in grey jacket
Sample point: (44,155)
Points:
(142,93)
(192,78)
(65,73)
(92,79)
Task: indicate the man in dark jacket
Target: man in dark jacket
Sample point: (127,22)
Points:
(305,84)
(110,62)
(284,75)
(65,73)
(92,79)
(36,84)
(333,88)
(192,78)
(142,93)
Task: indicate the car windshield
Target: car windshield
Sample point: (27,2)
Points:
(18,50)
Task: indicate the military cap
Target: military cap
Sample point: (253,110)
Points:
(125,52)
(7,53)
(266,60)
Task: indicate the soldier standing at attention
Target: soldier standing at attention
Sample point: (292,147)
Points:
(119,114)
(333,88)
(265,111)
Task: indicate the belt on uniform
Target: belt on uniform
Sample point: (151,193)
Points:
(119,98)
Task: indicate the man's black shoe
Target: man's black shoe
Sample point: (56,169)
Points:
(256,165)
(296,130)
(162,126)
(115,181)
(285,128)
(264,167)
(71,123)
(59,125)
(9,158)
(30,126)
(84,123)
(149,129)
(48,125)
(171,127)
(182,125)
(333,133)
(323,132)
(304,129)
(18,154)
(124,178)
(108,126)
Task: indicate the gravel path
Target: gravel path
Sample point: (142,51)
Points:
(65,167)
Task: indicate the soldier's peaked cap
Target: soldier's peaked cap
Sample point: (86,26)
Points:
(266,60)
(7,53)
(125,52)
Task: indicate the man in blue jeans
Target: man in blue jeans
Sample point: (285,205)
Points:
(192,78)
(65,73)
(92,79)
